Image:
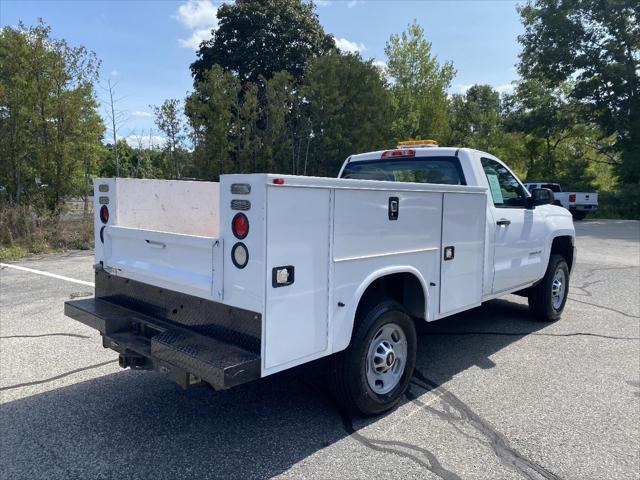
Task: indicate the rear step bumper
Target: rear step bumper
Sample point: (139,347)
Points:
(146,342)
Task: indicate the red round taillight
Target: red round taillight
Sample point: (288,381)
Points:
(240,225)
(104,214)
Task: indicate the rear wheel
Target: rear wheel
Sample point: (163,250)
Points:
(372,374)
(548,298)
(578,214)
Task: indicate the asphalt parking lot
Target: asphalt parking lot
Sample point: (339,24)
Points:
(495,395)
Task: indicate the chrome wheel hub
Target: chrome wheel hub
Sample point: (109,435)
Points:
(558,287)
(386,358)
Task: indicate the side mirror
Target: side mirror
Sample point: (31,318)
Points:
(539,196)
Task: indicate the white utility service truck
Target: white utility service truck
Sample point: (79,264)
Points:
(578,203)
(228,282)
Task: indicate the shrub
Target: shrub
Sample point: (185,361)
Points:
(624,203)
(25,229)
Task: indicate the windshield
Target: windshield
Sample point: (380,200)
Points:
(443,170)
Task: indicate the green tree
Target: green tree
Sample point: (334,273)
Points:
(257,38)
(349,110)
(248,135)
(212,113)
(474,117)
(127,160)
(50,129)
(168,118)
(477,120)
(419,86)
(549,117)
(593,44)
(558,143)
(277,145)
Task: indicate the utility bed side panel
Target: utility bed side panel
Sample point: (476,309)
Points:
(463,231)
(364,226)
(352,277)
(296,323)
(370,243)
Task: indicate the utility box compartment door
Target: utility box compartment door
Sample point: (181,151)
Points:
(296,317)
(462,253)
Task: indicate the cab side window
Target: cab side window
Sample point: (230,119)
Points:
(506,191)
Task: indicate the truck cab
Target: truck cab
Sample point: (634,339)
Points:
(226,282)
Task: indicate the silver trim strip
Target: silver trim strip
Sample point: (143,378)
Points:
(472,190)
(376,255)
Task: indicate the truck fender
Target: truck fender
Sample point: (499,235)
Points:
(549,242)
(344,331)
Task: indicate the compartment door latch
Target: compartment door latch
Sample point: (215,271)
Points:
(394,208)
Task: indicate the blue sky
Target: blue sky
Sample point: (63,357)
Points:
(147,46)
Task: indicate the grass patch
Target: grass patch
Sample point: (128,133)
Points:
(12,253)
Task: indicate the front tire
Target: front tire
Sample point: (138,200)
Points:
(372,374)
(548,298)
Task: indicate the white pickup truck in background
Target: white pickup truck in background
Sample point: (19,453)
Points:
(223,283)
(578,203)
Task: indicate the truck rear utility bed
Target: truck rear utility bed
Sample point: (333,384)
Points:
(151,328)
(166,253)
(227,282)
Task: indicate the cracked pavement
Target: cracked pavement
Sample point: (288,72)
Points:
(495,394)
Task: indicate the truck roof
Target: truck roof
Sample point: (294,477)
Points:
(420,152)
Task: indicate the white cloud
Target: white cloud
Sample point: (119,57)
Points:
(349,46)
(322,3)
(506,88)
(115,73)
(155,141)
(380,64)
(353,3)
(462,88)
(198,13)
(200,17)
(196,38)
(140,114)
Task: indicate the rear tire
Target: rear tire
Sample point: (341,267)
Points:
(548,298)
(372,374)
(578,215)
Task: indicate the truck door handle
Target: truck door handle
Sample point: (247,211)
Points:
(503,221)
(154,244)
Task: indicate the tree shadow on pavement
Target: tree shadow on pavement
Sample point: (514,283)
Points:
(139,425)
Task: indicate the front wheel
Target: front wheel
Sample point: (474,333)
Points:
(372,374)
(548,298)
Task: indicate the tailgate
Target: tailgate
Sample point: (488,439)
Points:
(586,199)
(170,260)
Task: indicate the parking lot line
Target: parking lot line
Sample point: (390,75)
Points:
(47,274)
